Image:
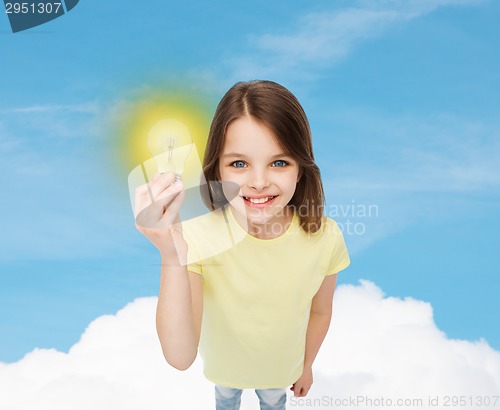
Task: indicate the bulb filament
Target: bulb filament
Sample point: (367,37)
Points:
(170,161)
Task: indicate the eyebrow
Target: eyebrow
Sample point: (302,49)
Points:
(238,155)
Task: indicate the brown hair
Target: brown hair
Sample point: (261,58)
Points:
(277,108)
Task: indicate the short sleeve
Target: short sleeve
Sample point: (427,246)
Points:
(339,258)
(206,236)
(195,268)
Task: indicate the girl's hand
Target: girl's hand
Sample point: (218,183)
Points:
(301,387)
(156,211)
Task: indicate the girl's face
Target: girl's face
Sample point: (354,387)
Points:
(267,177)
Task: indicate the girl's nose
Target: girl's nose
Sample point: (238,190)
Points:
(259,180)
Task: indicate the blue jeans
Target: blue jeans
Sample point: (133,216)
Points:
(228,398)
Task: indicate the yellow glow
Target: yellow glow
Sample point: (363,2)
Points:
(136,122)
(170,142)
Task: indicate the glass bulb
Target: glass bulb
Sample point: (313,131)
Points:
(170,143)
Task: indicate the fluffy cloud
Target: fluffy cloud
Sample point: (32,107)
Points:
(377,348)
(385,346)
(322,39)
(117,364)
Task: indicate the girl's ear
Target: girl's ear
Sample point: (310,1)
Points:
(300,174)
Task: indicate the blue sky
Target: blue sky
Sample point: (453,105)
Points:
(403,102)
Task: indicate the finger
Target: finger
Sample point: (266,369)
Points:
(149,216)
(171,214)
(160,184)
(141,199)
(148,193)
(167,197)
(153,215)
(174,188)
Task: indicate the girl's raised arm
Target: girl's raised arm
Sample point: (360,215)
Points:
(178,315)
(180,301)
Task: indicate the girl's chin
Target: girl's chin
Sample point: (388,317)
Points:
(258,219)
(258,216)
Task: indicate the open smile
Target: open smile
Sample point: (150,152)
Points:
(259,202)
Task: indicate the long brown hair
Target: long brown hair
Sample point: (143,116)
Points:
(277,108)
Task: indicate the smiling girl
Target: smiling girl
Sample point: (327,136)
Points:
(260,309)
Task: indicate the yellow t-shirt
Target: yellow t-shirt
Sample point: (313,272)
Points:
(257,296)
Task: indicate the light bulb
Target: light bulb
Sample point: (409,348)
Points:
(170,143)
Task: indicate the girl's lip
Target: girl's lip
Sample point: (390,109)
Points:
(257,196)
(259,206)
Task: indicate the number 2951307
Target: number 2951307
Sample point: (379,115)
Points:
(32,8)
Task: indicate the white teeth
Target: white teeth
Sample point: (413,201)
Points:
(258,200)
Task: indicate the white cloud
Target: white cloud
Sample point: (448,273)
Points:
(437,153)
(326,36)
(322,39)
(91,108)
(377,346)
(397,350)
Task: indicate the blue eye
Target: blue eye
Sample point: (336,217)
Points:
(280,163)
(238,164)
